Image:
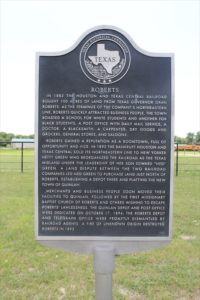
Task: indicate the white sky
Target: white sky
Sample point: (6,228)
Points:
(156,26)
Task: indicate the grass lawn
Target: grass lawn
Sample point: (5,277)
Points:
(31,271)
(10,160)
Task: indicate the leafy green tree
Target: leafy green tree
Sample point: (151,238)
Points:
(197,137)
(176,139)
(190,138)
(31,136)
(179,140)
(5,137)
(19,136)
(22,136)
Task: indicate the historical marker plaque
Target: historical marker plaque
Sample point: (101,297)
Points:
(104,140)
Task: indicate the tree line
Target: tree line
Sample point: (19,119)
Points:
(4,136)
(191,138)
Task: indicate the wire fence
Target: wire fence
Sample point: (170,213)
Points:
(19,157)
(187,159)
(16,156)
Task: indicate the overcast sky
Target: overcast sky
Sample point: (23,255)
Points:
(156,26)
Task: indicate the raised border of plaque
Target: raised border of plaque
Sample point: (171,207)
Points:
(87,244)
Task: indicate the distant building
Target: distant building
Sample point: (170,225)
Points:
(27,143)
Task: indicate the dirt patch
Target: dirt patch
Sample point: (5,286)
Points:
(182,295)
(130,295)
(188,237)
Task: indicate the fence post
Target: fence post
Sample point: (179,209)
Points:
(177,159)
(22,157)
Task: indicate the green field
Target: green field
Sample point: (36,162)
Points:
(31,271)
(10,160)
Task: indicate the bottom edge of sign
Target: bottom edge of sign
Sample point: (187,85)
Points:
(103,238)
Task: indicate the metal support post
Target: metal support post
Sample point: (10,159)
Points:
(177,159)
(22,157)
(104,264)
